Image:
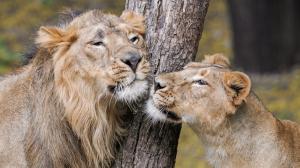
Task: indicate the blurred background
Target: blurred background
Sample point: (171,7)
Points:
(260,37)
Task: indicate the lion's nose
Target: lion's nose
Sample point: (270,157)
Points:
(132,60)
(158,84)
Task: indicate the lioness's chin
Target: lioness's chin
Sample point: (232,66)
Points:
(161,115)
(133,91)
(153,112)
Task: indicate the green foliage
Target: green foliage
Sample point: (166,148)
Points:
(8,59)
(280,94)
(216,36)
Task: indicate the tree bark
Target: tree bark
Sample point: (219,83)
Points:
(173,32)
(265,34)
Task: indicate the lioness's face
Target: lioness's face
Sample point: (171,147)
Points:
(187,95)
(202,93)
(103,50)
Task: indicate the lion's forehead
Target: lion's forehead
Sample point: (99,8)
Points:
(95,17)
(100,31)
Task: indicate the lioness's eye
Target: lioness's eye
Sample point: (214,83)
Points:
(134,39)
(201,82)
(98,43)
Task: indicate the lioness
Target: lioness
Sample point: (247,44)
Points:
(235,127)
(60,110)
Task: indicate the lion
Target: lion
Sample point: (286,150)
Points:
(218,104)
(63,108)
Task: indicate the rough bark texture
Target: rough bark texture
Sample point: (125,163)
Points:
(173,33)
(266,34)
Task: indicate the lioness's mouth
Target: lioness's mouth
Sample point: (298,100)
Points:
(171,115)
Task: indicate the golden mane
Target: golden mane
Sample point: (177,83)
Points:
(73,108)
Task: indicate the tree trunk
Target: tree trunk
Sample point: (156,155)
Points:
(173,32)
(265,34)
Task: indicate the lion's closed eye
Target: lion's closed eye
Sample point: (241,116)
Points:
(98,43)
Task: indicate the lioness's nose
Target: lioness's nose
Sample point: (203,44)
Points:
(158,84)
(132,60)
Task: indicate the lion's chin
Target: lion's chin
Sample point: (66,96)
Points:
(161,115)
(132,92)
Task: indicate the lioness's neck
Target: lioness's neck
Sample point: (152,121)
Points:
(238,141)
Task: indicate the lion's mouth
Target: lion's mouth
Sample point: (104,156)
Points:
(171,115)
(120,86)
(112,88)
(133,91)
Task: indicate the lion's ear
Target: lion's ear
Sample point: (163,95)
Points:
(52,37)
(218,59)
(134,20)
(237,85)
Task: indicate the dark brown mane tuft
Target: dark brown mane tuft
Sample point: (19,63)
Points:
(65,17)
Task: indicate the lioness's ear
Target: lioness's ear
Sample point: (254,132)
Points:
(237,85)
(135,20)
(218,59)
(192,65)
(52,37)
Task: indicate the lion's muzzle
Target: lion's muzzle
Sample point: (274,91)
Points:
(132,59)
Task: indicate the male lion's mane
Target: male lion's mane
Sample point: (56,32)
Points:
(86,117)
(58,111)
(65,18)
(71,125)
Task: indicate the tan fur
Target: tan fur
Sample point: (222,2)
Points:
(135,20)
(235,127)
(60,110)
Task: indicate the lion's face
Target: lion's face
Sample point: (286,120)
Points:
(105,49)
(203,92)
(116,55)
